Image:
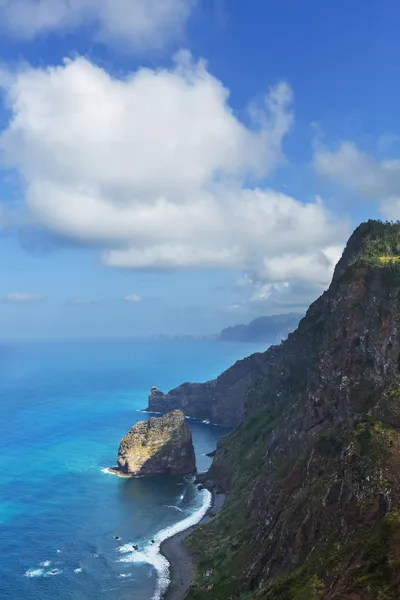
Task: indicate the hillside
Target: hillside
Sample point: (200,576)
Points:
(313,471)
(271,329)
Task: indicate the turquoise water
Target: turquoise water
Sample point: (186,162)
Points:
(63,410)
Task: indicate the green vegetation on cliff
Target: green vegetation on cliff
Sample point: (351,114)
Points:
(313,472)
(381,246)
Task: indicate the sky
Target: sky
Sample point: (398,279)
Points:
(178,166)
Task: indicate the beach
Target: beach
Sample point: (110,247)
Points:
(179,558)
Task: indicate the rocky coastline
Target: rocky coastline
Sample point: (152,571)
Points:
(312,471)
(174,549)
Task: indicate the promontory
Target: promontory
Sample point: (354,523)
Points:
(159,446)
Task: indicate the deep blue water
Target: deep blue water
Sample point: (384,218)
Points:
(63,410)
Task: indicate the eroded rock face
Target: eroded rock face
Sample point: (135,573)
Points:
(221,400)
(313,471)
(159,446)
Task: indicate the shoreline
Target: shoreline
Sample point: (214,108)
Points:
(181,566)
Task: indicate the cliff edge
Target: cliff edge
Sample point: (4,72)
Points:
(313,471)
(159,446)
(221,400)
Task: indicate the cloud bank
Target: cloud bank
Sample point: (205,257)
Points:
(363,175)
(128,24)
(158,171)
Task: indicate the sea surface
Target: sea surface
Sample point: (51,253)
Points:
(63,410)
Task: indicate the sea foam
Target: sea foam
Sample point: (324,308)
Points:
(151,552)
(34,573)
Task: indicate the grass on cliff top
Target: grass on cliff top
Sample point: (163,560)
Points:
(381,246)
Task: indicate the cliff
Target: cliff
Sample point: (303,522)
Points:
(220,400)
(273,328)
(313,471)
(159,446)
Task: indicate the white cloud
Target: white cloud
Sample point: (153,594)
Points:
(18,297)
(134,298)
(363,175)
(358,171)
(133,24)
(154,169)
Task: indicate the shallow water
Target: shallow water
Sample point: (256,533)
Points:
(63,409)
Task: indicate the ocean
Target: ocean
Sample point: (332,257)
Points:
(67,528)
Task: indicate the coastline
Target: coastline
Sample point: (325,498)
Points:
(178,556)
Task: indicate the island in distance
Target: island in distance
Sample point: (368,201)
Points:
(272,329)
(159,446)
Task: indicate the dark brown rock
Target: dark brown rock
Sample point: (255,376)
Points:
(221,400)
(313,471)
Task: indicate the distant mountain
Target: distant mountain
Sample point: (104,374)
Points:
(272,329)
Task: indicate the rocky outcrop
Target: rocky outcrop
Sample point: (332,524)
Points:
(313,471)
(221,400)
(159,446)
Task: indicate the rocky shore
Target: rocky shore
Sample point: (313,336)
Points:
(175,551)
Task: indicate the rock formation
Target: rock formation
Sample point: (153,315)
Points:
(159,446)
(221,400)
(313,471)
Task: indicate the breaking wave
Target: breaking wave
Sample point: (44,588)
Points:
(151,552)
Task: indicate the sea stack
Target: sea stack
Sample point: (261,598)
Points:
(159,446)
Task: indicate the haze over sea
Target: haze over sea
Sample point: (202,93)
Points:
(63,410)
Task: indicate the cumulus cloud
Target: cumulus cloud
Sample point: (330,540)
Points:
(18,297)
(359,171)
(134,298)
(133,24)
(157,170)
(288,282)
(364,175)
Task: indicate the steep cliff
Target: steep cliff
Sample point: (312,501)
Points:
(313,472)
(220,400)
(159,446)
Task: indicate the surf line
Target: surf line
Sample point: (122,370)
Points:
(151,552)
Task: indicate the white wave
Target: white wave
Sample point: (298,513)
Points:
(151,552)
(59,551)
(78,570)
(45,563)
(124,575)
(108,471)
(176,507)
(34,573)
(206,421)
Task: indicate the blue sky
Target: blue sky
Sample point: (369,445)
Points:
(178,166)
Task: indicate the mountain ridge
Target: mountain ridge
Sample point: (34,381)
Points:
(272,328)
(313,471)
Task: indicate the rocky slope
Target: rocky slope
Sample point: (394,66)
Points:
(221,400)
(313,472)
(159,446)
